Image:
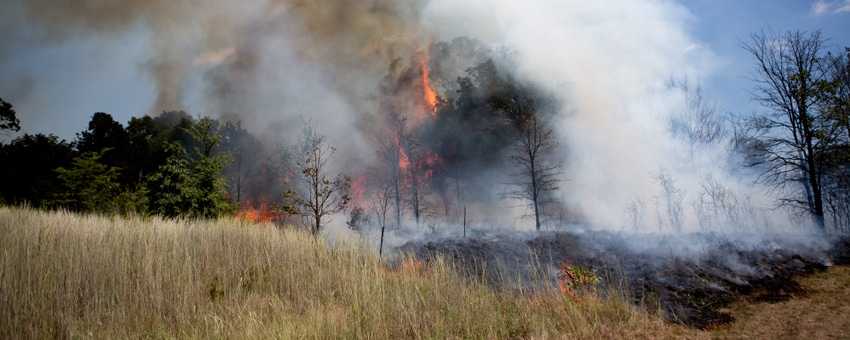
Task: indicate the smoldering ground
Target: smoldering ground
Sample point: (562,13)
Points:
(688,278)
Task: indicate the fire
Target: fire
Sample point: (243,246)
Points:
(358,191)
(403,160)
(256,214)
(428,93)
(433,162)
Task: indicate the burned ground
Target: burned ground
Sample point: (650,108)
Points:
(688,278)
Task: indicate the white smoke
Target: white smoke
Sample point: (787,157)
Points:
(609,61)
(273,63)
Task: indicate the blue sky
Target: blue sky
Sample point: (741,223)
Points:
(57,83)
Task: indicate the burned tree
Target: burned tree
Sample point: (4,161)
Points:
(393,161)
(537,174)
(788,144)
(312,192)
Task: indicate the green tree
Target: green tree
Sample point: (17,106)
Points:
(314,194)
(8,120)
(211,198)
(90,185)
(170,190)
(27,164)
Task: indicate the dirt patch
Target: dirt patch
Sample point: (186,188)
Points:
(819,311)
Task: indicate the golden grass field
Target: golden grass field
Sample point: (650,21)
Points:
(64,275)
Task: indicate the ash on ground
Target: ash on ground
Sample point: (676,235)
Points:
(689,278)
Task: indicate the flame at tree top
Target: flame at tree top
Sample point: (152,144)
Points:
(429,96)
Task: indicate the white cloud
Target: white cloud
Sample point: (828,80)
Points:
(844,7)
(822,7)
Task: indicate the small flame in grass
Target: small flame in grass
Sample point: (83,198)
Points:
(573,280)
(256,213)
(413,266)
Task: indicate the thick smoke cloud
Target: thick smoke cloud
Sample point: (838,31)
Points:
(609,61)
(273,63)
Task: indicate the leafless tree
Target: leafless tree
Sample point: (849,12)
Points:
(699,120)
(537,173)
(635,211)
(312,192)
(392,159)
(790,142)
(380,200)
(837,183)
(671,198)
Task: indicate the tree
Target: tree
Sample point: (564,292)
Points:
(393,160)
(171,191)
(379,202)
(191,185)
(8,120)
(358,221)
(536,173)
(27,164)
(104,133)
(90,185)
(313,193)
(210,186)
(837,181)
(790,141)
(246,154)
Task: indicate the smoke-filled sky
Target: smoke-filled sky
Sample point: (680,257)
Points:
(272,63)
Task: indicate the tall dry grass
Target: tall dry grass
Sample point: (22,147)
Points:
(65,275)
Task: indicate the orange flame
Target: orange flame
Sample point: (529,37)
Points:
(403,160)
(358,191)
(429,95)
(256,214)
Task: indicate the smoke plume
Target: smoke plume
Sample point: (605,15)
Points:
(274,63)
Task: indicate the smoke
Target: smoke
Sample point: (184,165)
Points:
(610,63)
(274,63)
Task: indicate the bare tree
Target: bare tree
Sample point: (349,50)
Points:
(379,202)
(790,141)
(393,160)
(312,192)
(699,120)
(837,182)
(537,174)
(671,198)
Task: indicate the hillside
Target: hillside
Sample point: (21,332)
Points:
(66,275)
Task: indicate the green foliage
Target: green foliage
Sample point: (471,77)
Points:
(358,220)
(26,166)
(313,193)
(8,120)
(211,188)
(192,186)
(90,185)
(171,191)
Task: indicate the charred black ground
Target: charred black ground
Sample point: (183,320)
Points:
(687,278)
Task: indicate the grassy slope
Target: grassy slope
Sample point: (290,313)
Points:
(64,275)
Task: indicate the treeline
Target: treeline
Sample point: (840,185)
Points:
(436,156)
(170,165)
